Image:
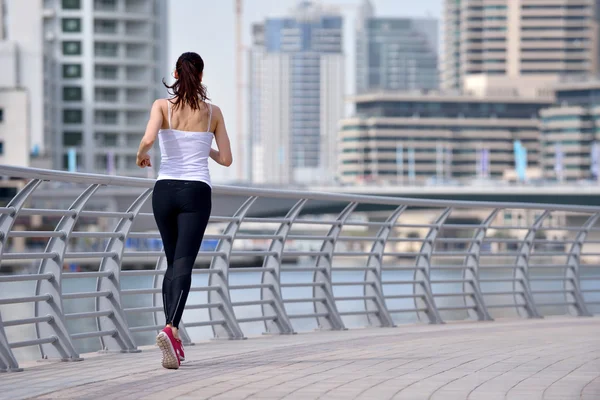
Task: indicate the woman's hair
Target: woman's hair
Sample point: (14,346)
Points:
(188,89)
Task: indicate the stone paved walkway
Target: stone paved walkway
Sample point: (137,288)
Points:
(557,358)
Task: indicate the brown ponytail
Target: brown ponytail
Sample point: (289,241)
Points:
(188,89)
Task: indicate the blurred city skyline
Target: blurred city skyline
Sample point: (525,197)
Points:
(215,34)
(347,92)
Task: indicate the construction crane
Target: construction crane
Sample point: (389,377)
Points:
(239,71)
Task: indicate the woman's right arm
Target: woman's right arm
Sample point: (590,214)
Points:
(222,156)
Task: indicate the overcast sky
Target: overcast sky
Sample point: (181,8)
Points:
(207,27)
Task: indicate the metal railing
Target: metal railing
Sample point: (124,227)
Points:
(430,259)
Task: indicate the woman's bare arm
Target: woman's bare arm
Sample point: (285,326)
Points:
(223,155)
(154,124)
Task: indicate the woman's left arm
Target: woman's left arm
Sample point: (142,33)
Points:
(154,124)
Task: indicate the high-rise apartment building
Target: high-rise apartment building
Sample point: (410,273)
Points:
(408,138)
(518,46)
(92,69)
(395,53)
(570,133)
(296,95)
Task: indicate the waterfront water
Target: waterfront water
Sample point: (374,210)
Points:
(240,277)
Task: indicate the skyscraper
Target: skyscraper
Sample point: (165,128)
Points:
(519,46)
(92,69)
(395,53)
(296,95)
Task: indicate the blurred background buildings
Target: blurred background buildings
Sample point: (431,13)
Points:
(90,70)
(495,90)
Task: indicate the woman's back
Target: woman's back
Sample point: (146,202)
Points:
(184,118)
(185,142)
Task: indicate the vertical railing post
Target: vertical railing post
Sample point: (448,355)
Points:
(322,276)
(220,263)
(521,272)
(63,347)
(123,341)
(572,273)
(8,362)
(422,286)
(272,277)
(381,317)
(471,271)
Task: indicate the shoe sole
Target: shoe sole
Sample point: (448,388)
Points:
(169,359)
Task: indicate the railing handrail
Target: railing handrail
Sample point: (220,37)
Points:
(89,178)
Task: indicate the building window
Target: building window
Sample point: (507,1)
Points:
(106,94)
(101,162)
(71,71)
(107,139)
(105,26)
(72,93)
(105,49)
(71,4)
(106,117)
(72,139)
(71,25)
(1,147)
(105,5)
(106,71)
(72,48)
(72,116)
(1,115)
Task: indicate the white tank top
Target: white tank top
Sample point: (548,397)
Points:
(184,154)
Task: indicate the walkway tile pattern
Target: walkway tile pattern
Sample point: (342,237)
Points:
(556,358)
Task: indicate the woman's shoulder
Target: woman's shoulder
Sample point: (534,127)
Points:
(215,109)
(213,106)
(162,103)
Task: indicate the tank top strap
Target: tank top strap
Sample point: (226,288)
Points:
(169,112)
(209,116)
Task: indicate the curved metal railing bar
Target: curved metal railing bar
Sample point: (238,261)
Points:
(328,315)
(572,287)
(521,272)
(379,313)
(477,308)
(111,305)
(278,321)
(220,298)
(422,287)
(8,362)
(62,346)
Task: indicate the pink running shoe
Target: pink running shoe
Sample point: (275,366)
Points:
(179,350)
(168,345)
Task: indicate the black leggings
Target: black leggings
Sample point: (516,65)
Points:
(181,210)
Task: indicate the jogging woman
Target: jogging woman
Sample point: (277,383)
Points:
(185,125)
